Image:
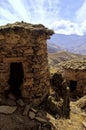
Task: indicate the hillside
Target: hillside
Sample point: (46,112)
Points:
(55,58)
(53,48)
(72,43)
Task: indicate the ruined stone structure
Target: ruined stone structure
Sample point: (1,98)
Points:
(75,75)
(23,59)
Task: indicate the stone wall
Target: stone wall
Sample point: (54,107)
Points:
(79,76)
(25,43)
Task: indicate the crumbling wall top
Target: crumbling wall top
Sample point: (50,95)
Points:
(75,65)
(39,29)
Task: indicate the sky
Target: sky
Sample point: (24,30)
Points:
(63,16)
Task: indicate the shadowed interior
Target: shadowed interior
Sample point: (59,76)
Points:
(73,85)
(16,78)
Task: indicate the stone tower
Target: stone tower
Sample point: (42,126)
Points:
(23,59)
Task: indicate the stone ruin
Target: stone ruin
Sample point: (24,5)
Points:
(23,60)
(75,75)
(70,84)
(59,98)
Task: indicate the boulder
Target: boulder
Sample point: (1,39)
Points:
(32,115)
(41,119)
(81,103)
(20,102)
(7,109)
(26,110)
(84,124)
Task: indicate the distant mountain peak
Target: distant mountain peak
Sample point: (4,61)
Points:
(72,43)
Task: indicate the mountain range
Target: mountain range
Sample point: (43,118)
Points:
(71,43)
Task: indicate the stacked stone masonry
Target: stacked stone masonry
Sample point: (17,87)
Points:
(76,71)
(26,44)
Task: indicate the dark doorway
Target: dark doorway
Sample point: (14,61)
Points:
(16,78)
(73,85)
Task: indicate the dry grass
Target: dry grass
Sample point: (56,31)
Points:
(77,117)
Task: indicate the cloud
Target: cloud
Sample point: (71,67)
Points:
(81,12)
(46,12)
(77,25)
(6,15)
(19,8)
(68,27)
(33,11)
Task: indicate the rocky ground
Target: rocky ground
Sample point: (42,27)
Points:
(77,119)
(19,115)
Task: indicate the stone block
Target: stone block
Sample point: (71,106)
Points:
(28,51)
(2,37)
(32,115)
(7,109)
(26,110)
(40,119)
(40,52)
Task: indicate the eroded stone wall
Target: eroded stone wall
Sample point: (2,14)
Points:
(80,77)
(28,46)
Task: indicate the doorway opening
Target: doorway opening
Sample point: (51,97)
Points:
(73,85)
(16,78)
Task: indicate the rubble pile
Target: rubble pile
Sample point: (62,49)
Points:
(22,115)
